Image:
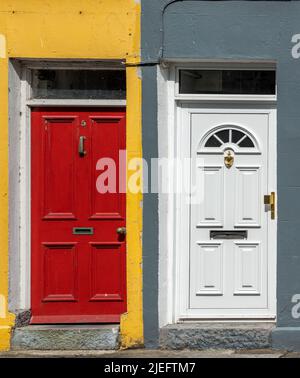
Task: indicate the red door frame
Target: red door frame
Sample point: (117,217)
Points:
(96,263)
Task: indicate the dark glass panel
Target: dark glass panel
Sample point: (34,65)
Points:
(247,142)
(212,142)
(79,84)
(236,136)
(252,82)
(223,135)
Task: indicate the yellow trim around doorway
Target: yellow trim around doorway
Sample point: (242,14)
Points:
(73,29)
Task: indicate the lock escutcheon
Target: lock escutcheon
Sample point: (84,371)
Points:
(270,201)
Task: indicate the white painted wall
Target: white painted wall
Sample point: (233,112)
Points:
(166,131)
(14,187)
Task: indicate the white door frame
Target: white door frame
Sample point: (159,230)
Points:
(182,224)
(20,103)
(169,111)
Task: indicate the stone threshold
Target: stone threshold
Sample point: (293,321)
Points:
(66,337)
(217,335)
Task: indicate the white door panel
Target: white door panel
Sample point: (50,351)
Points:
(211,206)
(248,269)
(209,265)
(227,276)
(248,196)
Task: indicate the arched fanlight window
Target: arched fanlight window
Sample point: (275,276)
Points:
(230,135)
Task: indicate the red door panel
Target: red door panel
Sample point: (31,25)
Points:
(59,174)
(60,284)
(77,278)
(107,205)
(103,258)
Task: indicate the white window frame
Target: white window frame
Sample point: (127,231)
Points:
(29,66)
(270,66)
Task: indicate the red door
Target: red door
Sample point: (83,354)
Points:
(78,257)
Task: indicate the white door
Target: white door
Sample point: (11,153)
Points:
(229,269)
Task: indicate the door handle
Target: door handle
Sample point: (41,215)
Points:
(81,149)
(121,231)
(270,200)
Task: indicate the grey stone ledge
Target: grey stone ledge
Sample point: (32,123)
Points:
(73,337)
(216,336)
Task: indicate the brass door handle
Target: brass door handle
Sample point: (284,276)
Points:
(81,149)
(270,200)
(121,231)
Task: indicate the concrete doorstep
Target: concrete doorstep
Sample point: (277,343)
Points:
(66,337)
(183,340)
(218,335)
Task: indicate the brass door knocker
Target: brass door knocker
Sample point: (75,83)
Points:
(228,158)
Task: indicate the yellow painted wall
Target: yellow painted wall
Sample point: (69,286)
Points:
(89,29)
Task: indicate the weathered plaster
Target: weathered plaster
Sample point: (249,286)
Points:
(63,29)
(14,104)
(132,321)
(2,46)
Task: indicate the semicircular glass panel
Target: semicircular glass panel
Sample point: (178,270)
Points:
(230,135)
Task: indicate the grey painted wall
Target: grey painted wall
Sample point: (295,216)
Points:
(150,210)
(229,30)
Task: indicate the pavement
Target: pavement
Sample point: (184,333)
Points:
(146,353)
